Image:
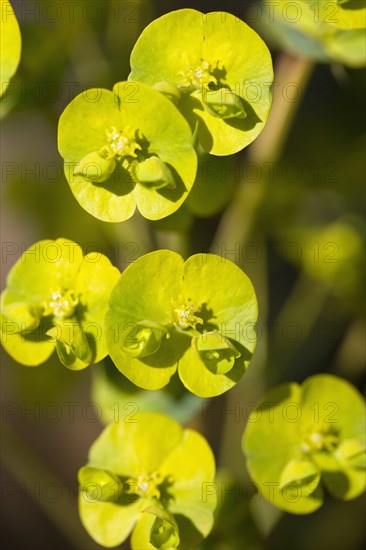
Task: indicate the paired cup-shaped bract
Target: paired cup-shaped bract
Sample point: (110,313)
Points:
(324,31)
(147,476)
(10,44)
(127,148)
(300,438)
(56,297)
(215,68)
(196,316)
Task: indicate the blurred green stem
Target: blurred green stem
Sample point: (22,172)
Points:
(238,225)
(237,222)
(301,311)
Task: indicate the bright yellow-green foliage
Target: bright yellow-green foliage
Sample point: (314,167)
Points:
(196,316)
(300,439)
(127,148)
(10,44)
(56,297)
(320,30)
(217,70)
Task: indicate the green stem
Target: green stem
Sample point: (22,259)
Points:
(239,218)
(301,310)
(236,226)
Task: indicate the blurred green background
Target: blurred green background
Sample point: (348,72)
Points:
(301,241)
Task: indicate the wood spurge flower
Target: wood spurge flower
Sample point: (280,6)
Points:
(146,476)
(56,298)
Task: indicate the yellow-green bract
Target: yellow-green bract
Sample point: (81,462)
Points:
(127,148)
(148,477)
(217,70)
(301,438)
(197,317)
(57,297)
(10,44)
(319,30)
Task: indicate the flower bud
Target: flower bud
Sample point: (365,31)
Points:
(95,167)
(223,103)
(300,473)
(145,339)
(169,90)
(164,533)
(352,453)
(216,351)
(99,485)
(154,173)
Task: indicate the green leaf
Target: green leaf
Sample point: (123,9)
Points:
(220,65)
(28,348)
(10,44)
(138,146)
(224,104)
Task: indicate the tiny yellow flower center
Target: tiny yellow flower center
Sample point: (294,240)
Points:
(121,143)
(196,78)
(145,485)
(61,304)
(324,439)
(185,315)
